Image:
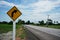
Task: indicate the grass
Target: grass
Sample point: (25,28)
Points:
(54,26)
(51,26)
(20,32)
(5,28)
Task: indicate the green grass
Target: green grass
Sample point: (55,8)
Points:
(51,26)
(20,32)
(54,26)
(22,36)
(5,28)
(18,26)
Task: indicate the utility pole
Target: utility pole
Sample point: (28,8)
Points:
(47,20)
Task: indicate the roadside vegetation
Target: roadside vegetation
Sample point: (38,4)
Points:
(51,26)
(20,32)
(7,26)
(54,26)
(50,23)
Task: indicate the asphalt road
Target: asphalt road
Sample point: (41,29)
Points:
(44,33)
(30,35)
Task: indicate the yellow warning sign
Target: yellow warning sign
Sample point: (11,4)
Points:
(14,13)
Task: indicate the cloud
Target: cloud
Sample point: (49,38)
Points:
(43,6)
(55,16)
(40,6)
(6,3)
(36,11)
(39,9)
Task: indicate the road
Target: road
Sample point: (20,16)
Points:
(44,33)
(30,35)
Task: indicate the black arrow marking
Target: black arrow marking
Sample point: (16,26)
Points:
(13,12)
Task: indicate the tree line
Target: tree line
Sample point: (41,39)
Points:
(49,22)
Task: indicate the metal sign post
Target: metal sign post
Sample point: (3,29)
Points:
(48,20)
(14,13)
(14,30)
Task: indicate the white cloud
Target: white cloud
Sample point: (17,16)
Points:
(40,7)
(6,3)
(43,6)
(37,9)
(55,16)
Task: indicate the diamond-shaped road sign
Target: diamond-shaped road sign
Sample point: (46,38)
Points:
(14,13)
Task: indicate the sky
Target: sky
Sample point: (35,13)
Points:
(33,10)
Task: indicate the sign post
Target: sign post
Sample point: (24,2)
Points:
(14,30)
(14,13)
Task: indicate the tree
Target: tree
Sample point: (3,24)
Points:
(54,22)
(23,22)
(32,23)
(10,22)
(28,22)
(20,21)
(57,22)
(41,22)
(4,22)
